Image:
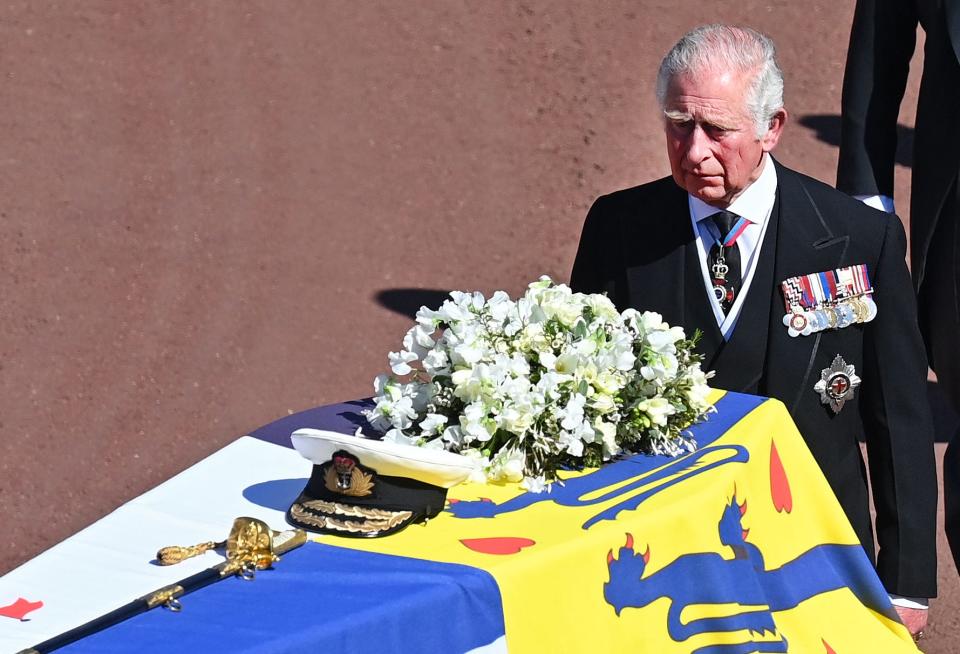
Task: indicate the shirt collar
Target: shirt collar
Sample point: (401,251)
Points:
(754,203)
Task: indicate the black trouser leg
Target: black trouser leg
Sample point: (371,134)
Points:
(939,311)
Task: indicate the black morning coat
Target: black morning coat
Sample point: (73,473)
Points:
(638,246)
(882,41)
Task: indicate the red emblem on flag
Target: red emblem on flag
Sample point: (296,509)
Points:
(500,545)
(779,484)
(19,609)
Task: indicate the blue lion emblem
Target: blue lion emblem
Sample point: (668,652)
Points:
(739,576)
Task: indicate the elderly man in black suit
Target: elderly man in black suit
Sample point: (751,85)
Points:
(801,292)
(882,42)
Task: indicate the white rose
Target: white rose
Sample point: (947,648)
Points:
(651,321)
(602,306)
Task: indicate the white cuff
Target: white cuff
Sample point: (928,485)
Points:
(881,202)
(910,602)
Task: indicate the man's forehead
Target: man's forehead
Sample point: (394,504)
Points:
(715,81)
(712,74)
(706,94)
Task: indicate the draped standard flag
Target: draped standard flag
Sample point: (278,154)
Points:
(737,547)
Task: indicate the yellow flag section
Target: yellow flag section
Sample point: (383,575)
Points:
(738,547)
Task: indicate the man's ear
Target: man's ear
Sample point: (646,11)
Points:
(772,136)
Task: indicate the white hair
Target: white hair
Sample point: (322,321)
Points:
(725,47)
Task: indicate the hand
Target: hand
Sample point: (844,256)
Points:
(915,620)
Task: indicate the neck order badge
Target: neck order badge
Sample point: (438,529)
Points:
(724,258)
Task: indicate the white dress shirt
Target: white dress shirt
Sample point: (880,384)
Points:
(755,204)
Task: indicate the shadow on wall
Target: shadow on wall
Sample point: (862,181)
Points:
(407,301)
(827,129)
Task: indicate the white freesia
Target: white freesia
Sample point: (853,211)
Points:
(508,465)
(608,434)
(573,412)
(418,340)
(658,409)
(603,403)
(436,362)
(536,484)
(432,424)
(400,362)
(553,378)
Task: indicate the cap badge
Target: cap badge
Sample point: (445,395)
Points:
(837,384)
(345,478)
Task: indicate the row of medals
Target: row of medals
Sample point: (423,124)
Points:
(842,314)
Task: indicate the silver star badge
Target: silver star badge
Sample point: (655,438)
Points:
(837,384)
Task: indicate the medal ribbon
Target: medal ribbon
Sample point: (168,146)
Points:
(862,279)
(735,232)
(846,282)
(828,286)
(807,298)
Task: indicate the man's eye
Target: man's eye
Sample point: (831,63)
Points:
(716,131)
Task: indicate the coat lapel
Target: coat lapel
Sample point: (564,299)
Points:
(805,244)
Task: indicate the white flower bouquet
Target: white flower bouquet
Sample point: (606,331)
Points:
(555,379)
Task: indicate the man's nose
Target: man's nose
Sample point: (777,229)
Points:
(698,146)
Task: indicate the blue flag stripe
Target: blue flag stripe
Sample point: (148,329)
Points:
(323,598)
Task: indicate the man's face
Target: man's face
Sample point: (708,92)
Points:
(711,138)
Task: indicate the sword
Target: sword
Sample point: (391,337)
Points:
(251,546)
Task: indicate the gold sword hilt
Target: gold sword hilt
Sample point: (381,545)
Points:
(251,546)
(176,553)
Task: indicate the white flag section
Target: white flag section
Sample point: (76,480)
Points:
(109,563)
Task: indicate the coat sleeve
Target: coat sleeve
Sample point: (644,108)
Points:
(593,268)
(899,429)
(882,41)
